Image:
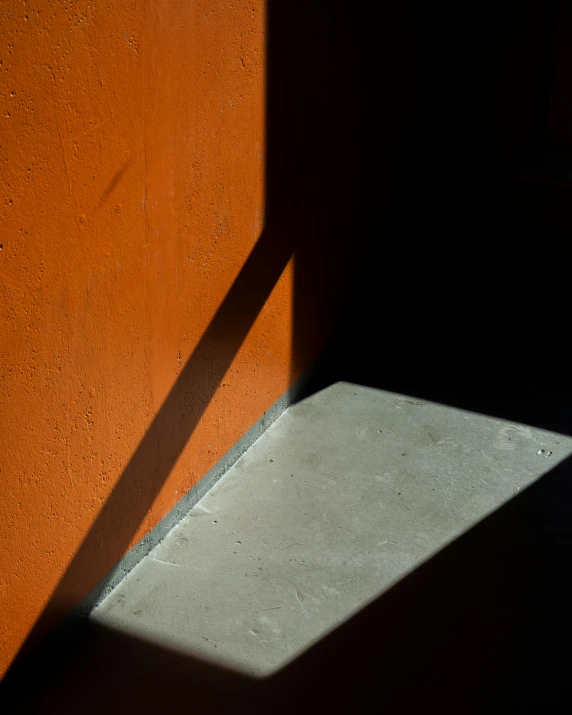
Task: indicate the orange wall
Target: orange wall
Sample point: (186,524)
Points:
(132,155)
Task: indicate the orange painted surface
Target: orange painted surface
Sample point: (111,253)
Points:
(132,154)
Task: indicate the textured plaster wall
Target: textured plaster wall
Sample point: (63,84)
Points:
(132,155)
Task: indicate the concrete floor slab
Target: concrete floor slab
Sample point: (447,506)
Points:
(346,493)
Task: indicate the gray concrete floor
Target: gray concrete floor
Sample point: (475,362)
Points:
(349,491)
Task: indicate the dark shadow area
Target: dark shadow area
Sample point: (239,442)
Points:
(463,297)
(342,90)
(482,627)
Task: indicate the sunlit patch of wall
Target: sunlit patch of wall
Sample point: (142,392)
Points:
(132,153)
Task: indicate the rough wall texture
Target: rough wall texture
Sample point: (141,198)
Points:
(132,155)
